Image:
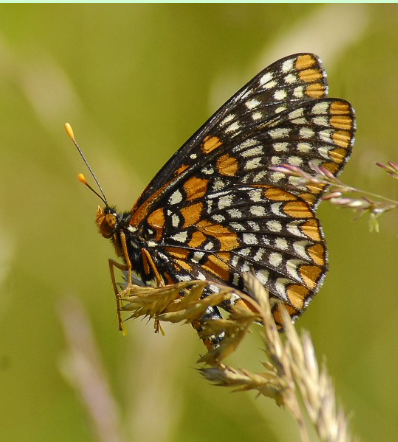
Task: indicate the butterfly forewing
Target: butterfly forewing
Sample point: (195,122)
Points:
(216,210)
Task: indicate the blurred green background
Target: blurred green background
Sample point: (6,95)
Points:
(135,81)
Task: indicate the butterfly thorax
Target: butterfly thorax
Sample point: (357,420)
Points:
(113,225)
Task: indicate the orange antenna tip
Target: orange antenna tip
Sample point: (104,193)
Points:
(69,131)
(82,178)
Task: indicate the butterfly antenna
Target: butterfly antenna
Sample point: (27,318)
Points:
(81,177)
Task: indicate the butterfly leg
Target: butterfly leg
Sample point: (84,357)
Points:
(148,266)
(123,267)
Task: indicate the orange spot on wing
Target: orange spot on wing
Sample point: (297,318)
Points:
(195,188)
(310,75)
(211,143)
(340,107)
(305,61)
(331,167)
(342,138)
(177,252)
(157,220)
(315,90)
(197,240)
(217,267)
(311,229)
(192,214)
(341,122)
(297,294)
(278,316)
(141,212)
(227,165)
(310,275)
(228,240)
(182,169)
(275,194)
(338,155)
(317,253)
(184,265)
(298,209)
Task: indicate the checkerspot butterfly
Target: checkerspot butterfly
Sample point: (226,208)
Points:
(217,209)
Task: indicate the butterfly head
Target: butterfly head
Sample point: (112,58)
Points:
(107,221)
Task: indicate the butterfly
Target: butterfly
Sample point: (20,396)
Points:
(217,208)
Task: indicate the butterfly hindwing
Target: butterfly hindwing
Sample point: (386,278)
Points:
(217,209)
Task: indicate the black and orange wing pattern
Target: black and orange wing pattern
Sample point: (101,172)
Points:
(217,210)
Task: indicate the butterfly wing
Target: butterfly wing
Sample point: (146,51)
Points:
(217,210)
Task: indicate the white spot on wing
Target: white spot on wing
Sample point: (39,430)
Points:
(180,237)
(175,198)
(320,108)
(287,66)
(279,133)
(280,94)
(274,226)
